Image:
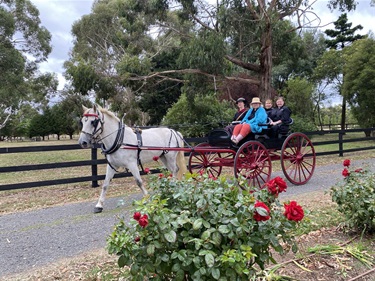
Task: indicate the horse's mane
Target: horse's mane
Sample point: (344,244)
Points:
(109,113)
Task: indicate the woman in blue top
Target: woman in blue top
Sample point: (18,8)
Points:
(250,123)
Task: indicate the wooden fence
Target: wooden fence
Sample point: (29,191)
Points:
(338,137)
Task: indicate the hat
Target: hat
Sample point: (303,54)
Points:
(256,100)
(241,99)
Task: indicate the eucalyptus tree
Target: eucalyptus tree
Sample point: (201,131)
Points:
(24,43)
(117,44)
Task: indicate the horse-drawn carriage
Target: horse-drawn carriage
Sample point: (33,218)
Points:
(250,159)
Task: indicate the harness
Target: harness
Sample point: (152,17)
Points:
(120,138)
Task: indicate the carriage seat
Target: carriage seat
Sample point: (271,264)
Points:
(266,133)
(219,137)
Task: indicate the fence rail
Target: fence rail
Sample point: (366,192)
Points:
(340,140)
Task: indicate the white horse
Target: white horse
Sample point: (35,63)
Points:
(124,149)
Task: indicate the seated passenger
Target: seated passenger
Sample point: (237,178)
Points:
(280,119)
(239,115)
(268,106)
(255,116)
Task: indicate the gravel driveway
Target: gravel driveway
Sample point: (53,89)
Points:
(37,238)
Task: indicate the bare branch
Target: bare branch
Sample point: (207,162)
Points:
(245,65)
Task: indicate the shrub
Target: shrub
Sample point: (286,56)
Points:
(204,229)
(355,197)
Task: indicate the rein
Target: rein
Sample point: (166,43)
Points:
(118,141)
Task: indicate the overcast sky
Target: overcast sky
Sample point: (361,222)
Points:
(59,15)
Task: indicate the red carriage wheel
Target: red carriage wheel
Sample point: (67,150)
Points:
(298,158)
(253,163)
(205,161)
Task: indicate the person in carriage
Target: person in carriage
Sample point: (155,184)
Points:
(239,115)
(280,118)
(270,110)
(253,122)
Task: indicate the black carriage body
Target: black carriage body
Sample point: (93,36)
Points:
(221,138)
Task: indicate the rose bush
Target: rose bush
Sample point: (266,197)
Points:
(205,229)
(355,197)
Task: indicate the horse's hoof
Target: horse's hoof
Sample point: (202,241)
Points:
(98,210)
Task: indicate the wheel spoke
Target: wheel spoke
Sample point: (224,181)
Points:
(298,158)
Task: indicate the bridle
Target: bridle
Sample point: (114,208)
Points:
(96,131)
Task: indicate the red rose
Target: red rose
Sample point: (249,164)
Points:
(155,158)
(137,239)
(358,170)
(263,209)
(137,216)
(293,211)
(145,217)
(345,172)
(161,176)
(143,222)
(346,163)
(276,186)
(147,170)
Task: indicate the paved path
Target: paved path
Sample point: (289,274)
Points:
(37,238)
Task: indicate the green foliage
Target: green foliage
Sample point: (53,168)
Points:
(355,197)
(302,124)
(200,116)
(23,44)
(359,82)
(201,229)
(298,97)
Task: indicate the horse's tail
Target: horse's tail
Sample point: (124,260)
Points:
(181,158)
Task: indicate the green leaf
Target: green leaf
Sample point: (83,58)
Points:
(215,273)
(151,249)
(224,229)
(170,236)
(210,260)
(216,238)
(206,235)
(197,224)
(121,261)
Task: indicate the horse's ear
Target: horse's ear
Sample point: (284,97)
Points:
(84,108)
(97,107)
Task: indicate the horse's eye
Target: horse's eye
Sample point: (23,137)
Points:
(80,125)
(95,122)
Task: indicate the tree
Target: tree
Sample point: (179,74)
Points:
(359,83)
(342,36)
(216,42)
(182,116)
(23,44)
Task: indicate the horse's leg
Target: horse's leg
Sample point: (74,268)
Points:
(169,161)
(133,168)
(108,177)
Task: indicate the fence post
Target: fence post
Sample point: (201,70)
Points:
(341,143)
(94,167)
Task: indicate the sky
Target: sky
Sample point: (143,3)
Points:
(58,17)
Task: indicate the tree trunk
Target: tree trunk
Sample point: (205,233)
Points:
(266,64)
(343,113)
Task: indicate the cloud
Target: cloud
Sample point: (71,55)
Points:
(58,17)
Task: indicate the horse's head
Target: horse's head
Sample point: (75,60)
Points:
(92,126)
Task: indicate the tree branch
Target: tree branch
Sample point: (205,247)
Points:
(245,65)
